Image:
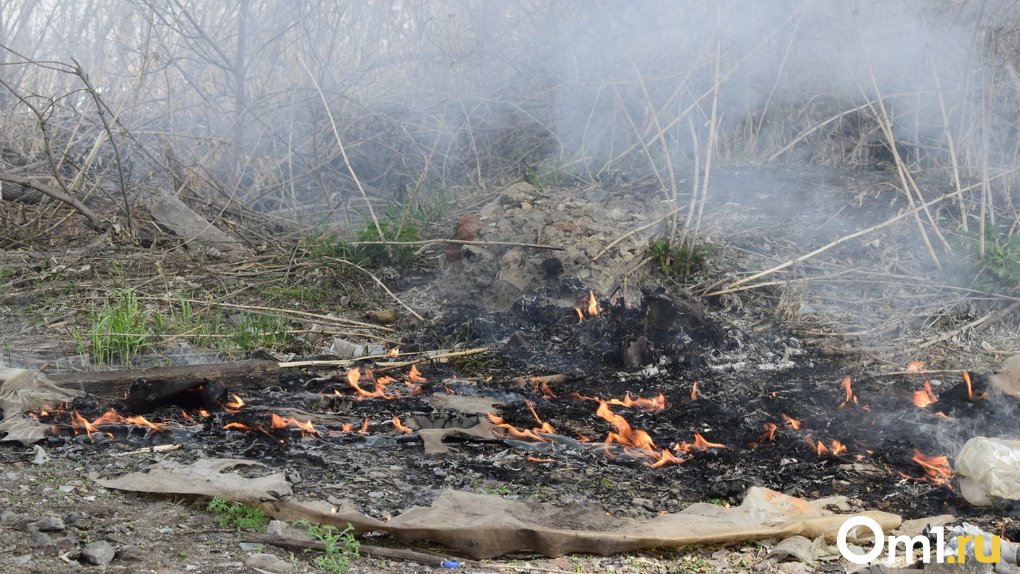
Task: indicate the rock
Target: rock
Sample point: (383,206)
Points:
(73,518)
(99,553)
(269,563)
(8,516)
(39,538)
(49,523)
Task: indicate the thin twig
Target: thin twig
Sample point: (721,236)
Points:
(379,283)
(438,357)
(632,232)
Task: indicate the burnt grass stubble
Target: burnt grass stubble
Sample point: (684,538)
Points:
(746,378)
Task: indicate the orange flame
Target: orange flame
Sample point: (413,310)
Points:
(836,447)
(593,304)
(110,417)
(770,432)
(414,375)
(654,405)
(400,426)
(665,457)
(925,397)
(791,422)
(237,426)
(971,395)
(700,443)
(354,380)
(915,367)
(694,391)
(347,428)
(580,313)
(850,396)
(393,353)
(278,422)
(234,404)
(512,431)
(624,434)
(364,426)
(936,468)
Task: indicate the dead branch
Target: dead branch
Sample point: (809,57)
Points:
(381,284)
(58,195)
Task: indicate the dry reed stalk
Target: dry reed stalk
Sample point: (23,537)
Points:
(713,135)
(343,153)
(885,123)
(661,134)
(947,129)
(987,210)
(732,286)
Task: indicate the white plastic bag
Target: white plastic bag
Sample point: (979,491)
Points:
(989,468)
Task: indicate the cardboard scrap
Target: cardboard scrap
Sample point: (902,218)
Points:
(25,390)
(205,477)
(485,525)
(432,439)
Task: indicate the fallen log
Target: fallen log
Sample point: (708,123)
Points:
(149,385)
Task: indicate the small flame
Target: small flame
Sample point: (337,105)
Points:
(234,404)
(393,353)
(354,380)
(512,431)
(851,398)
(835,447)
(237,426)
(347,428)
(580,313)
(654,405)
(111,417)
(694,391)
(971,395)
(700,443)
(915,367)
(364,426)
(593,304)
(770,432)
(542,425)
(936,468)
(537,460)
(278,422)
(624,434)
(791,422)
(414,375)
(925,397)
(400,426)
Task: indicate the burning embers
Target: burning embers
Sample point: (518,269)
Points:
(592,308)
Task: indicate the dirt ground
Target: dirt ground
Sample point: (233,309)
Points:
(823,302)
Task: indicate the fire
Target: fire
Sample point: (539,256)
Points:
(512,431)
(936,468)
(393,353)
(791,422)
(414,375)
(971,395)
(654,405)
(347,428)
(354,380)
(592,308)
(543,426)
(835,447)
(364,426)
(694,391)
(665,457)
(850,396)
(770,432)
(700,443)
(234,404)
(401,428)
(915,367)
(237,426)
(110,417)
(307,429)
(624,434)
(925,397)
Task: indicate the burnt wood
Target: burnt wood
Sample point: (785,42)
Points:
(163,382)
